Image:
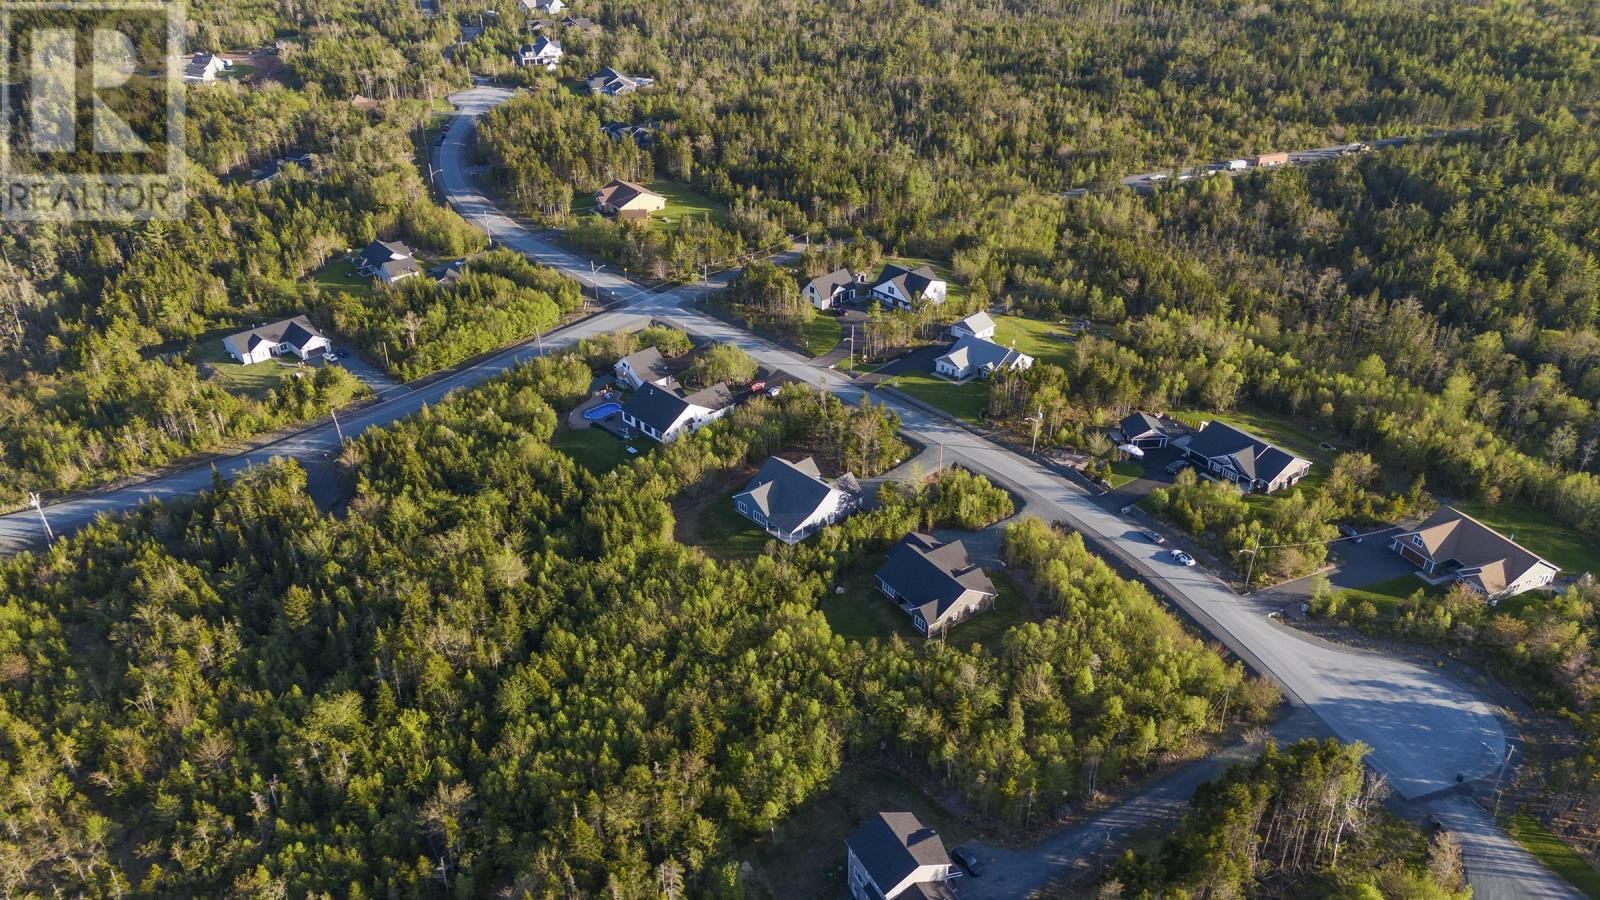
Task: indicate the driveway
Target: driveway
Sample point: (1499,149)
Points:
(1357,565)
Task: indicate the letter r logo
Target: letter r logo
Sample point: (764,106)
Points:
(53,82)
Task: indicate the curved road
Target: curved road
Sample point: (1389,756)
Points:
(1424,729)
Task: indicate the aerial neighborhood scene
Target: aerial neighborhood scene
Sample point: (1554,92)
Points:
(613,448)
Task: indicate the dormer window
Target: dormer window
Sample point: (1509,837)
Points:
(1416,539)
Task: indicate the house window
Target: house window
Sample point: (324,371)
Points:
(1416,539)
(743,510)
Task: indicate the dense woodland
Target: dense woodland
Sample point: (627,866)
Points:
(500,672)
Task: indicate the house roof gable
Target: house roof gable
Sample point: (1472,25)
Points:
(893,845)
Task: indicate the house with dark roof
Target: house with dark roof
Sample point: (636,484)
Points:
(387,261)
(971,356)
(1244,459)
(978,325)
(644,367)
(205,67)
(893,855)
(935,583)
(903,288)
(1451,545)
(824,291)
(296,337)
(1140,429)
(627,200)
(543,52)
(611,83)
(791,500)
(663,413)
(582,23)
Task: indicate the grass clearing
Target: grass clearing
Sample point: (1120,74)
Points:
(804,856)
(255,380)
(1124,471)
(1047,342)
(822,334)
(595,449)
(1554,854)
(683,200)
(1540,532)
(725,534)
(340,276)
(965,401)
(1392,596)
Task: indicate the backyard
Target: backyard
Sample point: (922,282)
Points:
(1046,342)
(596,449)
(340,276)
(805,856)
(1540,532)
(723,533)
(682,200)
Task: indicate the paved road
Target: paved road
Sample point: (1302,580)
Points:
(1424,728)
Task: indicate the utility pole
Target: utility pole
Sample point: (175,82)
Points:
(1038,420)
(337,428)
(1250,569)
(941,456)
(594,272)
(852,348)
(33,500)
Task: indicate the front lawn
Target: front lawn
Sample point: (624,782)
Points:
(1540,532)
(596,449)
(804,856)
(255,380)
(1555,854)
(1392,596)
(822,334)
(1125,471)
(964,401)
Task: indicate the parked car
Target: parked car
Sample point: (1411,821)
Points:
(1350,531)
(1176,466)
(967,860)
(774,390)
(758,385)
(1182,558)
(1153,537)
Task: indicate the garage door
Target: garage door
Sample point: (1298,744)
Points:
(1416,558)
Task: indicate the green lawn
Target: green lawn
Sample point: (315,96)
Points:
(1540,532)
(953,292)
(256,380)
(1124,471)
(862,612)
(340,276)
(682,200)
(725,534)
(1390,597)
(1046,342)
(238,72)
(822,334)
(596,449)
(804,855)
(966,401)
(1555,854)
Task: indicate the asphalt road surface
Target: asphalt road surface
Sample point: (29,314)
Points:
(1424,729)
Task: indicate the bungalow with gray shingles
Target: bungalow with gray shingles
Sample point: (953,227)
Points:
(971,356)
(295,336)
(646,366)
(978,325)
(900,287)
(791,501)
(543,52)
(935,583)
(1140,429)
(387,261)
(1244,459)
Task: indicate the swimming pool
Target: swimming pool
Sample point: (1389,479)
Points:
(601,411)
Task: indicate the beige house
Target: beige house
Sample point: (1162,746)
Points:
(627,200)
(1453,545)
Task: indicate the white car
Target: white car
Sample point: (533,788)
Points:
(1182,558)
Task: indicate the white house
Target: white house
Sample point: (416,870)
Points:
(971,356)
(892,855)
(205,67)
(644,367)
(294,336)
(898,286)
(543,52)
(664,414)
(1453,545)
(824,291)
(977,325)
(543,7)
(791,501)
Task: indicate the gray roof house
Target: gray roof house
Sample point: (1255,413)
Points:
(610,82)
(664,414)
(1141,430)
(970,356)
(893,855)
(1453,545)
(1244,459)
(903,287)
(825,290)
(647,366)
(978,325)
(296,336)
(387,261)
(791,501)
(935,583)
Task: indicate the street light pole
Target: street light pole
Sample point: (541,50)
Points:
(594,272)
(33,500)
(336,427)
(1250,570)
(1038,420)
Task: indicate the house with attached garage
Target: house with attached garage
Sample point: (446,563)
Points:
(290,337)
(1244,459)
(611,83)
(1452,545)
(791,501)
(543,7)
(903,288)
(893,855)
(647,366)
(935,583)
(978,325)
(824,291)
(204,68)
(388,261)
(971,356)
(543,52)
(627,200)
(1140,429)
(664,414)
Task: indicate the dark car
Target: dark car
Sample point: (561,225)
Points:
(1153,537)
(968,860)
(1177,465)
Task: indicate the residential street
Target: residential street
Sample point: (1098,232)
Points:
(1424,728)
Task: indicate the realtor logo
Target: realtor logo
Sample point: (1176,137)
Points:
(91,110)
